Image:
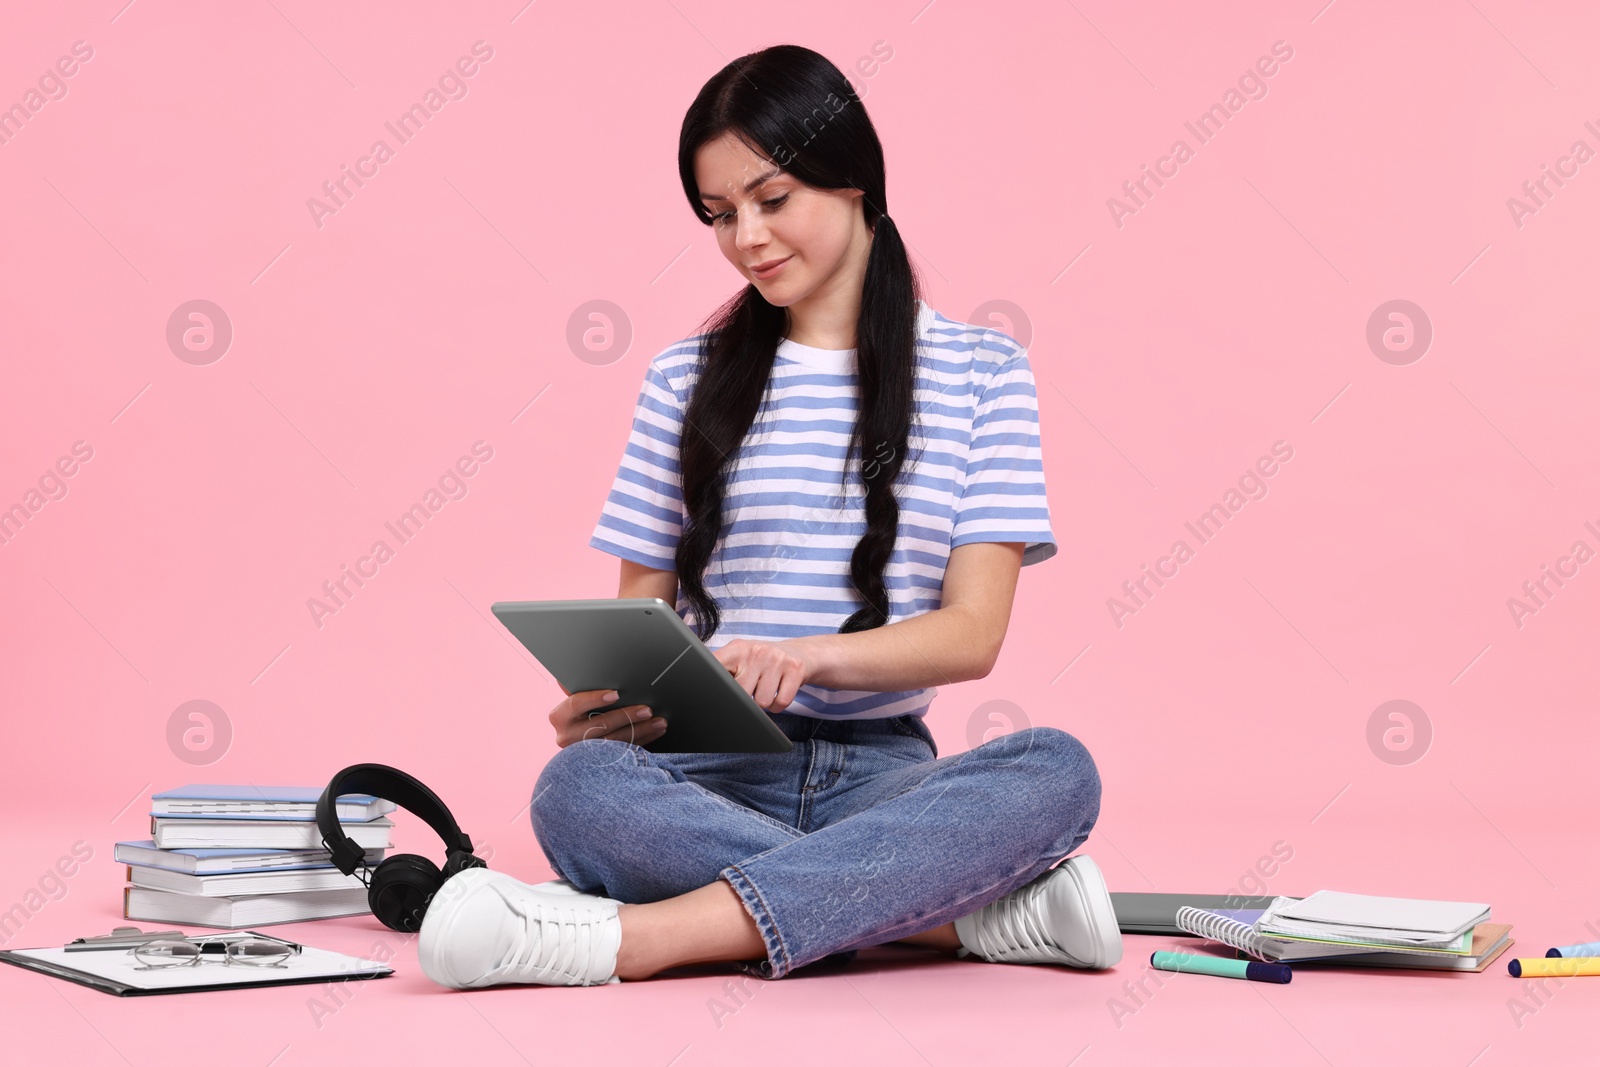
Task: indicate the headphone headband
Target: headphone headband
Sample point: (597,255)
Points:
(387,783)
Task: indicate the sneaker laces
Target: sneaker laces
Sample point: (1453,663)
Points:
(573,956)
(1012,926)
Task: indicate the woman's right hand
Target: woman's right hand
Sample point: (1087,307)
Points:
(574,719)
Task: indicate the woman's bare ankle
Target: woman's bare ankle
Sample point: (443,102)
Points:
(943,938)
(705,925)
(633,962)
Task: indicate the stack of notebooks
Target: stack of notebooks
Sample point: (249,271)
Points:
(243,856)
(1357,930)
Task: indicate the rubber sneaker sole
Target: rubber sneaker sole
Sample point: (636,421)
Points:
(1085,878)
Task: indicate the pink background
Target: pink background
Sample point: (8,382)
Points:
(1230,312)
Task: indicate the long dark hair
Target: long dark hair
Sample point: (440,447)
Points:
(794,107)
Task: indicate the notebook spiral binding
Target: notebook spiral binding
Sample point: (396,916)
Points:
(1222,929)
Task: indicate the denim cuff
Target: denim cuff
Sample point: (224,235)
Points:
(776,965)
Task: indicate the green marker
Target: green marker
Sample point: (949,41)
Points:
(1190,963)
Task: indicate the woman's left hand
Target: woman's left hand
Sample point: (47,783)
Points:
(771,672)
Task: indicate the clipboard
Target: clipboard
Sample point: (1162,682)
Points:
(115,972)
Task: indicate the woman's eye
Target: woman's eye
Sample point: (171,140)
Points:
(771,205)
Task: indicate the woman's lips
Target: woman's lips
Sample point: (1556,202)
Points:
(768,272)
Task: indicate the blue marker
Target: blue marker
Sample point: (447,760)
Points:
(1588,948)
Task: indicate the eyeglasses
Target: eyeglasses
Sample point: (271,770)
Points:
(247,951)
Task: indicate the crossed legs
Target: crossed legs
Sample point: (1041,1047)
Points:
(705,879)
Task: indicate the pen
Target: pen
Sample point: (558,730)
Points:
(120,937)
(1250,970)
(1588,948)
(1554,967)
(131,936)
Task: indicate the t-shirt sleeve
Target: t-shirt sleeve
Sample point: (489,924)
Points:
(642,517)
(1003,496)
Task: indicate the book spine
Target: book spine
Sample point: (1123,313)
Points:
(344,814)
(1222,929)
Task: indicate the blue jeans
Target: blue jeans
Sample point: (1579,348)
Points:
(857,836)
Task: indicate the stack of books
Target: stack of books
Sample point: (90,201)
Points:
(235,856)
(1357,930)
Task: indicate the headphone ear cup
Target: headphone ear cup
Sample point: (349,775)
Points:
(456,862)
(400,890)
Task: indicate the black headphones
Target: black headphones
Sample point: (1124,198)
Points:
(399,888)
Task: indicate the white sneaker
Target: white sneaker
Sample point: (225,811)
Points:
(486,928)
(1063,916)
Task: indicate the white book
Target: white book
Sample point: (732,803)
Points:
(1336,916)
(249,833)
(235,913)
(242,885)
(229,860)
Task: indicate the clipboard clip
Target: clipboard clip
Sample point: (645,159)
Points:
(121,937)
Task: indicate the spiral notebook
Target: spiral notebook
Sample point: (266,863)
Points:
(1236,927)
(1240,929)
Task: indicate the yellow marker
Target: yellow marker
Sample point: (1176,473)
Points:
(1554,967)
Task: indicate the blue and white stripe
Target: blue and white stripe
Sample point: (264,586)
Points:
(781,568)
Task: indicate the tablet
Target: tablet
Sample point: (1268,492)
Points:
(644,650)
(1157,913)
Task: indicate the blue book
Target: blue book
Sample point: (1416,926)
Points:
(289,803)
(229,860)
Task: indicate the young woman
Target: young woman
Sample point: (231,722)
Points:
(836,486)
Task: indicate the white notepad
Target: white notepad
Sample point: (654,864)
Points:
(1356,914)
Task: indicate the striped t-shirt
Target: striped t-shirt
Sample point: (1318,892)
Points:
(781,567)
